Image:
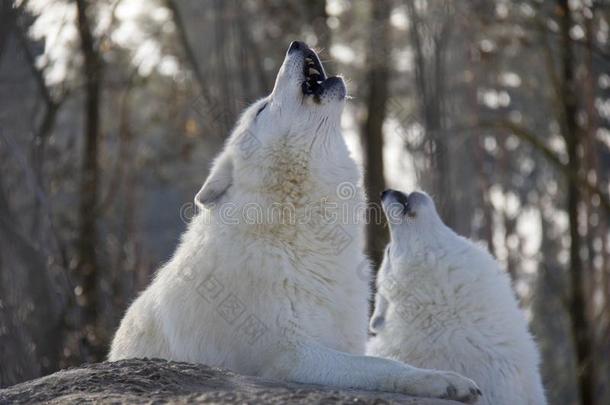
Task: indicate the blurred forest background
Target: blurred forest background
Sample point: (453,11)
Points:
(111,111)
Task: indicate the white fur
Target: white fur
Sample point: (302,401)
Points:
(306,297)
(444,302)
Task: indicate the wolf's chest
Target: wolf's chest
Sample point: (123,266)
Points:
(288,174)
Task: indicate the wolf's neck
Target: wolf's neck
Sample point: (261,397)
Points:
(288,178)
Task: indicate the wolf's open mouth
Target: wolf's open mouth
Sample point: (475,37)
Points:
(314,74)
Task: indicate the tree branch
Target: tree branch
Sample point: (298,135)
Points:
(538,144)
(188,50)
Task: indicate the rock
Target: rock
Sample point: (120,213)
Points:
(140,381)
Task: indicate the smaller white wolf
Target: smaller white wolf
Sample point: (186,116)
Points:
(445,303)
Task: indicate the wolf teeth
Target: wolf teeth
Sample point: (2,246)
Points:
(312,85)
(313,71)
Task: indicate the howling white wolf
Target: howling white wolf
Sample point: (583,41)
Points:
(267,280)
(444,302)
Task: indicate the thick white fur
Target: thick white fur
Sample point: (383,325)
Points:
(444,302)
(306,297)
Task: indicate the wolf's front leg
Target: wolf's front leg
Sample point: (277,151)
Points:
(315,364)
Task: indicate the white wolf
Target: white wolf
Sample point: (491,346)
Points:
(444,302)
(262,282)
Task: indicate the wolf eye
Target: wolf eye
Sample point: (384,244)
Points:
(260,110)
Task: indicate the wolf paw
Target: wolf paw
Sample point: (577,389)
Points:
(445,385)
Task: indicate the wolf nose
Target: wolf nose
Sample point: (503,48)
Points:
(296,46)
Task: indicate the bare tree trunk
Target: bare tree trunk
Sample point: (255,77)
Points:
(32,314)
(378,57)
(88,238)
(18,360)
(317,17)
(47,122)
(550,323)
(223,68)
(252,52)
(7,22)
(188,50)
(430,83)
(581,329)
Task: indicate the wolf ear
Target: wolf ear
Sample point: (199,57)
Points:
(217,183)
(378,319)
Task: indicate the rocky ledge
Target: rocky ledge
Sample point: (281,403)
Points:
(146,381)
